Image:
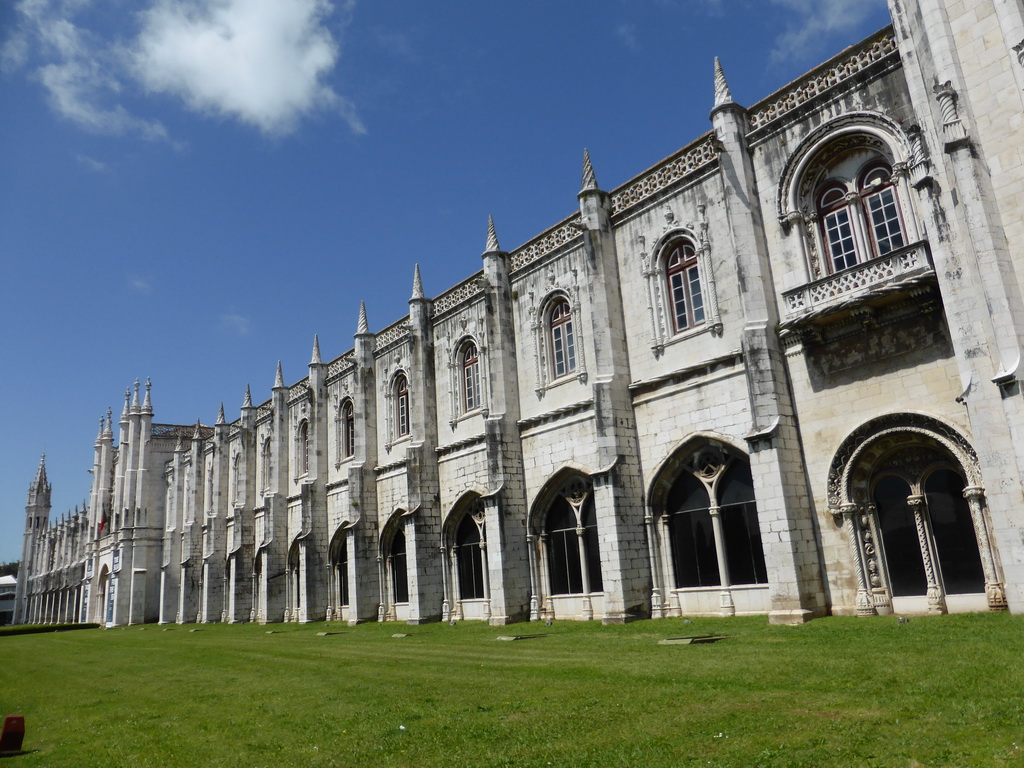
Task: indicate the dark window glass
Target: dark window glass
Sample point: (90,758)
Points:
(402,406)
(471,565)
(563,338)
(955,538)
(899,538)
(341,569)
(563,550)
(348,431)
(399,574)
(684,286)
(470,378)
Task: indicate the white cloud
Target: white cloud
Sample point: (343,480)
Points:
(234,323)
(78,71)
(138,284)
(818,21)
(263,62)
(627,34)
(93,165)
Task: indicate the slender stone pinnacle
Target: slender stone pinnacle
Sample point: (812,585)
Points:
(722,93)
(589,180)
(364,325)
(417,284)
(492,237)
(315,360)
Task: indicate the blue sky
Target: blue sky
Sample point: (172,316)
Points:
(193,188)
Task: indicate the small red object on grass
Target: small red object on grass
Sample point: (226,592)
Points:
(13,734)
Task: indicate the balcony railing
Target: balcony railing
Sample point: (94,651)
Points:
(878,276)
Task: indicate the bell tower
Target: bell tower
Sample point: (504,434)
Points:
(37,519)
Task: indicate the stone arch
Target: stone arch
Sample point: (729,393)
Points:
(880,487)
(890,138)
(703,532)
(564,547)
(863,448)
(464,552)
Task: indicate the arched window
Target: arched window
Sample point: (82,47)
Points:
(265,465)
(339,566)
(399,572)
(470,378)
(948,533)
(561,338)
(302,448)
(570,522)
(858,210)
(348,430)
(236,479)
(712,521)
(401,390)
(683,278)
(471,561)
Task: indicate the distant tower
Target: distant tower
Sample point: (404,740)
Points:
(37,519)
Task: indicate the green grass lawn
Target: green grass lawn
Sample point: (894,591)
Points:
(941,691)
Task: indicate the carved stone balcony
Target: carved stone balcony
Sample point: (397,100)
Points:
(895,273)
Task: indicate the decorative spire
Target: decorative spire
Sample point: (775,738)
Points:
(589,180)
(492,237)
(316,351)
(197,434)
(109,432)
(220,415)
(103,424)
(279,379)
(247,403)
(135,398)
(40,481)
(179,446)
(722,93)
(364,325)
(127,400)
(147,404)
(417,284)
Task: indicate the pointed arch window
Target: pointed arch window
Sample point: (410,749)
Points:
(712,524)
(684,287)
(561,338)
(302,448)
(573,549)
(348,430)
(265,465)
(399,568)
(470,360)
(402,416)
(470,558)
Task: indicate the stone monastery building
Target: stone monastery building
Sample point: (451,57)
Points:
(778,373)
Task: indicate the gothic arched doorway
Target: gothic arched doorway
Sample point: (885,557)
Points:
(908,491)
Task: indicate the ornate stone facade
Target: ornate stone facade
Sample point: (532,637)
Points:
(777,373)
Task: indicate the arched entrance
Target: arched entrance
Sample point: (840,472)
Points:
(337,610)
(394,570)
(466,578)
(565,551)
(706,551)
(908,491)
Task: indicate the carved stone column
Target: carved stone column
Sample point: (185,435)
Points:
(726,603)
(936,598)
(446,581)
(850,514)
(486,578)
(995,593)
(588,609)
(531,548)
(869,536)
(657,610)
